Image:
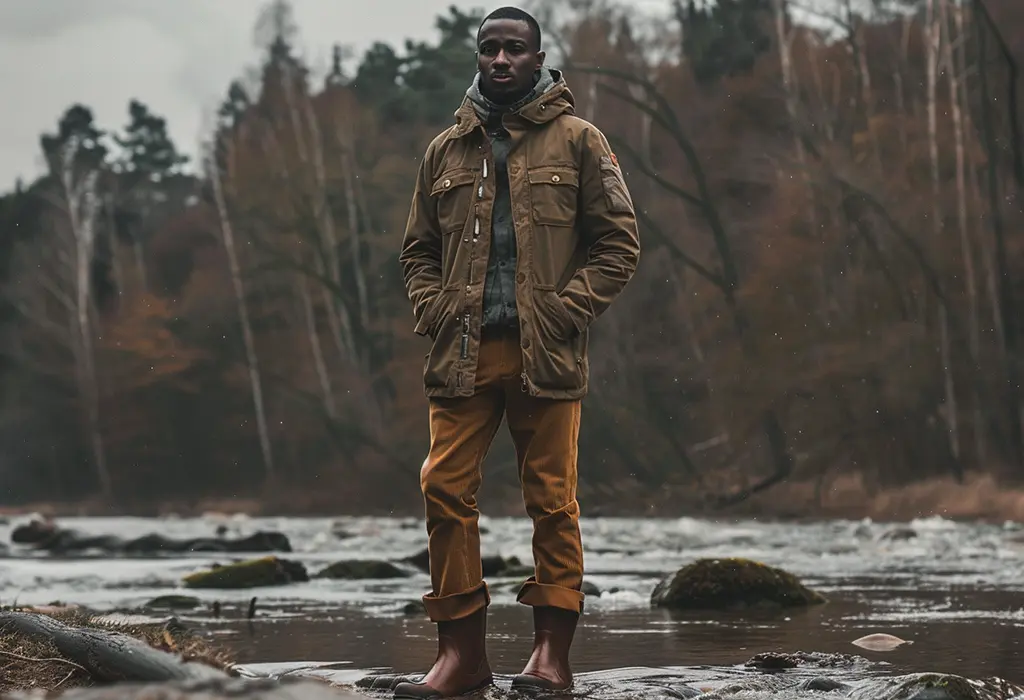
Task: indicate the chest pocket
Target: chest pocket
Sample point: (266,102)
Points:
(553,192)
(453,193)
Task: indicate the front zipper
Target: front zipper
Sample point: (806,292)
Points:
(525,387)
(465,336)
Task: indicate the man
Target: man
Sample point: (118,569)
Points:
(520,234)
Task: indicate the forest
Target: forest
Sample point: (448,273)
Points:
(829,195)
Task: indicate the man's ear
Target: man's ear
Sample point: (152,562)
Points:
(540,58)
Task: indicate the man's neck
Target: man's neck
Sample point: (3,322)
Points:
(506,102)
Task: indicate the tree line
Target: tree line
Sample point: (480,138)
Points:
(829,195)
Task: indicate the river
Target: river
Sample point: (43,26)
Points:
(955,590)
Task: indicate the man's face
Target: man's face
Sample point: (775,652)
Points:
(507,57)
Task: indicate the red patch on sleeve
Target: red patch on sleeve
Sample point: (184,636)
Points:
(615,160)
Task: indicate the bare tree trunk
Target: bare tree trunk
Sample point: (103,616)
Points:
(986,251)
(338,317)
(785,41)
(228,238)
(897,76)
(932,43)
(81,199)
(140,259)
(348,172)
(314,343)
(856,39)
(819,85)
(966,248)
(115,248)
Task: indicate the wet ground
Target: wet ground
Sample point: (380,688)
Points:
(955,590)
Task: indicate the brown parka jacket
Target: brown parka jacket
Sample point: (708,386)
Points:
(576,236)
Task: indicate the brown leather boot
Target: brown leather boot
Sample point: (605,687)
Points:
(461,666)
(548,667)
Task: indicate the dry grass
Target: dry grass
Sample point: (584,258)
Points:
(29,664)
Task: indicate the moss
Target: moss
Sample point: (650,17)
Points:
(719,584)
(265,571)
(30,663)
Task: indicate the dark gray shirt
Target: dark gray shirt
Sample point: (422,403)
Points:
(500,285)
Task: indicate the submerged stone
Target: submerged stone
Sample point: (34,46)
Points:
(362,569)
(822,684)
(266,571)
(173,602)
(935,686)
(775,660)
(721,584)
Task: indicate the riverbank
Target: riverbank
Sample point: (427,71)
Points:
(953,589)
(53,648)
(982,498)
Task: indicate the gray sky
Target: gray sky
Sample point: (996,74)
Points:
(177,56)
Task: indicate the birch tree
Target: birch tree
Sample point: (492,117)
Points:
(238,285)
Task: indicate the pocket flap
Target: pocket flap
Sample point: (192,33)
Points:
(554,175)
(454,178)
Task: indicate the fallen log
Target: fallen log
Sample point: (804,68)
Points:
(214,689)
(98,654)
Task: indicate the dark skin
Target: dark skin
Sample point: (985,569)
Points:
(508,58)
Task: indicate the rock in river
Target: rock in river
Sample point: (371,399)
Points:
(49,537)
(266,571)
(722,584)
(363,569)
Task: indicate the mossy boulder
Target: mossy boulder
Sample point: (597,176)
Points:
(265,571)
(362,569)
(722,584)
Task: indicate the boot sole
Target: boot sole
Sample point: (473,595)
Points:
(432,694)
(535,683)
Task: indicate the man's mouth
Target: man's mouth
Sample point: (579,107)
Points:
(501,78)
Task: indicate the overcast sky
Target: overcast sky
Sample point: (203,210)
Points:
(177,56)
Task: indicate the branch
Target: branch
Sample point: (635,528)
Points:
(676,251)
(666,117)
(672,188)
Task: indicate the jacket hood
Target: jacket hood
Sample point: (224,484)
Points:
(549,99)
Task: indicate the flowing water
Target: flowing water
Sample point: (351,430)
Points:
(955,590)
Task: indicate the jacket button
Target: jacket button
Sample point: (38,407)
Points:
(521,277)
(447,183)
(555,178)
(526,343)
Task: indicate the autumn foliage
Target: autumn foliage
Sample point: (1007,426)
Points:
(831,217)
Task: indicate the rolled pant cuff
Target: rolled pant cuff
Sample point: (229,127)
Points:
(456,605)
(548,595)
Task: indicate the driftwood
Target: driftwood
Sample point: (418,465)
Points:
(105,654)
(216,689)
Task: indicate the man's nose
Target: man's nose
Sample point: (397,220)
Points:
(501,59)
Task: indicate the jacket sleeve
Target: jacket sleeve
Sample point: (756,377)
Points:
(420,256)
(609,229)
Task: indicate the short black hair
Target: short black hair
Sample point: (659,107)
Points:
(514,13)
